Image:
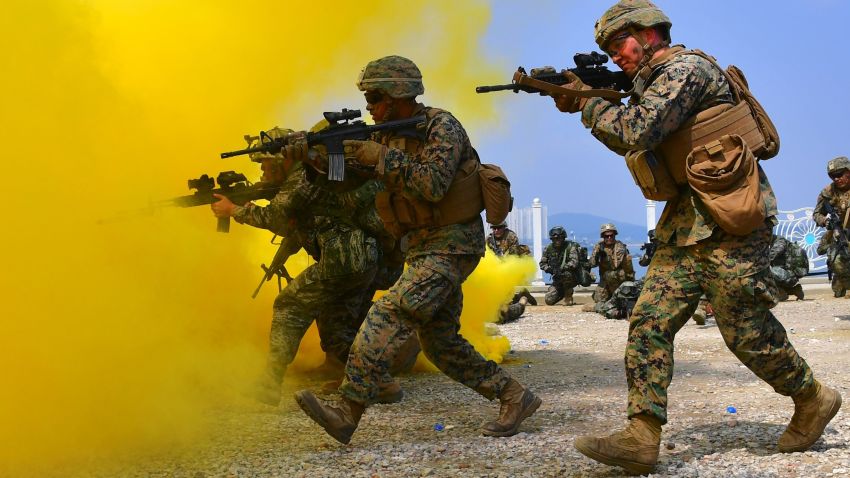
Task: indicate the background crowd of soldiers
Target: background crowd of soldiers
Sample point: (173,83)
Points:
(407,209)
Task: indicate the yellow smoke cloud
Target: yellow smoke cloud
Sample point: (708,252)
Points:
(119,337)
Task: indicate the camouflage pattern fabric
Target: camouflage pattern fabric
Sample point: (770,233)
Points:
(615,267)
(563,264)
(426,299)
(334,291)
(840,266)
(694,256)
(622,301)
(508,245)
(426,174)
(732,271)
(511,312)
(676,91)
(788,263)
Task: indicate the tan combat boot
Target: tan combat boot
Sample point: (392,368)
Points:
(812,411)
(798,291)
(339,419)
(390,393)
(518,403)
(635,448)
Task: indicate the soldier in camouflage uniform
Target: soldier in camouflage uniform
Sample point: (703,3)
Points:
(622,301)
(695,256)
(427,299)
(562,260)
(503,241)
(788,264)
(838,195)
(332,291)
(614,262)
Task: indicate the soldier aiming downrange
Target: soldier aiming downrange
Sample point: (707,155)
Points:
(695,254)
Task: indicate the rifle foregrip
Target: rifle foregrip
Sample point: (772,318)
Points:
(223,224)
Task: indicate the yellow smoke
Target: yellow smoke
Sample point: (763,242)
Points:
(121,336)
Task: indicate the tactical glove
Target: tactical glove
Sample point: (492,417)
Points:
(569,103)
(367,153)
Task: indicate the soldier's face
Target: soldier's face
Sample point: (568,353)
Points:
(608,237)
(498,232)
(378,105)
(558,241)
(625,52)
(841,179)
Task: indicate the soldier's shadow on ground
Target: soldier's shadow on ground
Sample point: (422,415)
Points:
(758,438)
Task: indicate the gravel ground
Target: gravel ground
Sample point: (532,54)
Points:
(574,361)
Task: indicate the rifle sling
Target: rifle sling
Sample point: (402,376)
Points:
(555,90)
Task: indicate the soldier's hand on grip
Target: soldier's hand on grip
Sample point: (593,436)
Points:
(568,103)
(367,153)
(223,207)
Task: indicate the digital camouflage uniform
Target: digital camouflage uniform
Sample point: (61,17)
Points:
(509,245)
(333,291)
(427,298)
(622,301)
(840,266)
(694,255)
(788,263)
(563,264)
(615,267)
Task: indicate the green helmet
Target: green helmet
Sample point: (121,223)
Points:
(557,231)
(838,164)
(254,141)
(394,75)
(607,228)
(625,14)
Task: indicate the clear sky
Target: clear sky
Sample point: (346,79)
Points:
(786,49)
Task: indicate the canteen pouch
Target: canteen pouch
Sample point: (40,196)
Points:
(724,175)
(651,176)
(496,193)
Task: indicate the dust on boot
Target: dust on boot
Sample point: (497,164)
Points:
(635,449)
(518,403)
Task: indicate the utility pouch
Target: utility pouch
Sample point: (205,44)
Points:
(724,175)
(651,176)
(383,204)
(496,193)
(463,201)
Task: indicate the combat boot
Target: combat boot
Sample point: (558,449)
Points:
(390,393)
(635,449)
(518,403)
(339,419)
(812,411)
(699,317)
(798,291)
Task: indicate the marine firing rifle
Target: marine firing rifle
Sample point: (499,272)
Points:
(231,184)
(340,128)
(277,267)
(547,81)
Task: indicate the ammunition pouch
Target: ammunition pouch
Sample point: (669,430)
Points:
(462,203)
(725,176)
(651,176)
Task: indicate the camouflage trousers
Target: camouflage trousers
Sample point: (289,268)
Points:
(840,274)
(608,284)
(561,289)
(732,271)
(335,302)
(427,299)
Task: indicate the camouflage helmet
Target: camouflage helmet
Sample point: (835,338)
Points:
(501,224)
(607,228)
(394,75)
(651,234)
(838,164)
(557,231)
(625,14)
(630,289)
(254,141)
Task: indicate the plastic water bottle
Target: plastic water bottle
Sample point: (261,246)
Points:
(438,427)
(731,415)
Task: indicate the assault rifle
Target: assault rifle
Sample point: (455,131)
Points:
(231,184)
(340,128)
(835,223)
(277,267)
(589,68)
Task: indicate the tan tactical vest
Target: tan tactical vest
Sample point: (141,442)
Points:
(462,202)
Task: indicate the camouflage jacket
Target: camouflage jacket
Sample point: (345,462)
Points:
(507,245)
(323,221)
(840,201)
(676,91)
(558,260)
(614,261)
(424,169)
(789,256)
